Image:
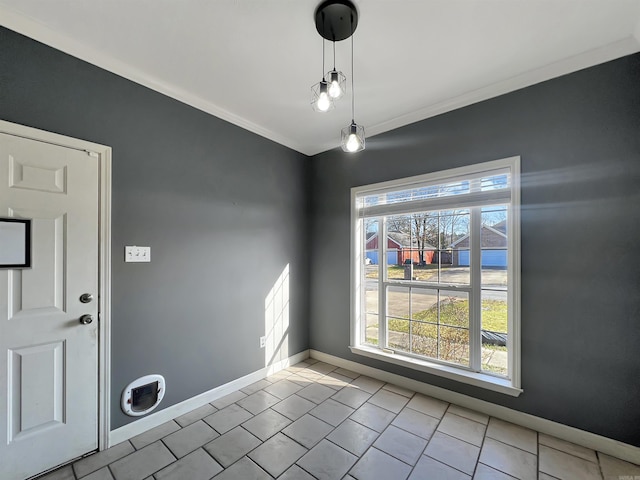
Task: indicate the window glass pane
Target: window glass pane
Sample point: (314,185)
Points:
(494,356)
(454,309)
(424,328)
(494,247)
(424,236)
(398,333)
(370,200)
(395,272)
(453,345)
(424,339)
(416,193)
(371,272)
(495,182)
(453,333)
(371,248)
(371,329)
(424,304)
(494,331)
(453,227)
(398,302)
(401,244)
(474,182)
(412,246)
(372,297)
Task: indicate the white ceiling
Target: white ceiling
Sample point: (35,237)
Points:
(252,62)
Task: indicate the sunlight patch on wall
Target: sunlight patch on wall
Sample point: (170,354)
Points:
(276,320)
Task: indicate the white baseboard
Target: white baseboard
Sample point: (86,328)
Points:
(570,434)
(153,420)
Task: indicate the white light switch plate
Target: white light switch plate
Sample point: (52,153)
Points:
(137,254)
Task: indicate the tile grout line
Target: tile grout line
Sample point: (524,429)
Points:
(429,439)
(384,430)
(207,452)
(484,437)
(537,455)
(570,454)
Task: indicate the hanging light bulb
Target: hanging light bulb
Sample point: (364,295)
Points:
(321,100)
(352,135)
(336,84)
(353,138)
(324,102)
(353,143)
(337,80)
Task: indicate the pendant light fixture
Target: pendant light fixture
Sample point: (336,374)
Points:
(337,20)
(353,134)
(321,100)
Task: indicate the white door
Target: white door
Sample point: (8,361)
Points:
(48,358)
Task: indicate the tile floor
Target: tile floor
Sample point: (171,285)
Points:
(316,421)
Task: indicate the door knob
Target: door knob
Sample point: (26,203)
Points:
(86,298)
(86,319)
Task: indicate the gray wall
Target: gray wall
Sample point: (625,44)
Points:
(579,139)
(223,210)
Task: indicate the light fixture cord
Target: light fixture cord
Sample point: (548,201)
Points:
(353,93)
(323,58)
(334,54)
(323,25)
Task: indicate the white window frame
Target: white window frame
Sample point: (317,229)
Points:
(509,386)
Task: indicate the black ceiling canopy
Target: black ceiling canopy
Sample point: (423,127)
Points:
(336,19)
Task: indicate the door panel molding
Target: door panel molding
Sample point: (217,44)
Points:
(35,177)
(34,365)
(43,289)
(39,177)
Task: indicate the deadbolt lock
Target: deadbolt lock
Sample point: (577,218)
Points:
(86,298)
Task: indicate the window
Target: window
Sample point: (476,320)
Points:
(436,273)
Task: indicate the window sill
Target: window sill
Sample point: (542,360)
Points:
(481,380)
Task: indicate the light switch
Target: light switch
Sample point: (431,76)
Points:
(137,254)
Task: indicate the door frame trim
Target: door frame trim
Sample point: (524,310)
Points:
(103,154)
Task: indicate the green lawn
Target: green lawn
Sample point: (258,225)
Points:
(424,272)
(494,316)
(455,313)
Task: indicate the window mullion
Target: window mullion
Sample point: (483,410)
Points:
(410,321)
(382,291)
(358,287)
(475,299)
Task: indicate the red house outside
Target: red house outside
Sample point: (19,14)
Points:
(399,250)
